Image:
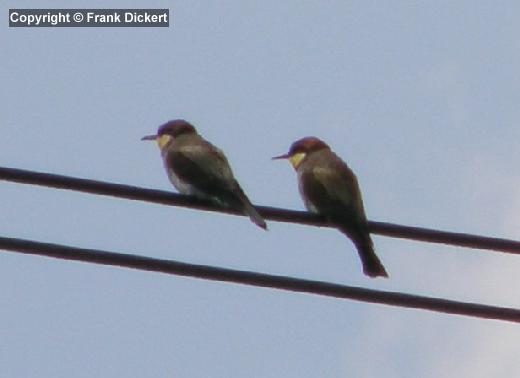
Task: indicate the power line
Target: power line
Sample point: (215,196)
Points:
(271,213)
(259,279)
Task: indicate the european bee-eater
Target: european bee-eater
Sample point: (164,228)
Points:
(329,187)
(196,167)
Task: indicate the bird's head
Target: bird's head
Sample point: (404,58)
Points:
(301,148)
(169,131)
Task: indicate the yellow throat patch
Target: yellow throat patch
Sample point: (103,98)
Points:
(163,140)
(297,158)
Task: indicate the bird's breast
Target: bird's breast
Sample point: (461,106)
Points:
(306,200)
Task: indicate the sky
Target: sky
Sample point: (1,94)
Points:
(419,98)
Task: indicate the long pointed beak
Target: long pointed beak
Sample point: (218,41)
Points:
(149,137)
(284,156)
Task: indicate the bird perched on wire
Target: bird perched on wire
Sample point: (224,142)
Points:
(196,167)
(329,187)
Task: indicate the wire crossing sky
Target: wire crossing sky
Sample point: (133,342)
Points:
(258,279)
(283,215)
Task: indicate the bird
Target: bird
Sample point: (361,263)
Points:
(196,167)
(329,187)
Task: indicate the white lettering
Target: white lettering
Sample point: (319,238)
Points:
(144,18)
(14,17)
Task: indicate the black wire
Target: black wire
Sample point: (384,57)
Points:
(258,279)
(272,213)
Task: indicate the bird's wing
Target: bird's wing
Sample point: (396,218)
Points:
(203,166)
(206,168)
(333,191)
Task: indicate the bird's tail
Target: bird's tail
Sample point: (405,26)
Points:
(247,207)
(372,266)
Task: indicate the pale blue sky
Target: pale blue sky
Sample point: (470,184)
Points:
(421,99)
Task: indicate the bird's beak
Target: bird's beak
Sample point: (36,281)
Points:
(284,156)
(149,137)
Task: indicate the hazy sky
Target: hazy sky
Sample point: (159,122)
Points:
(420,99)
